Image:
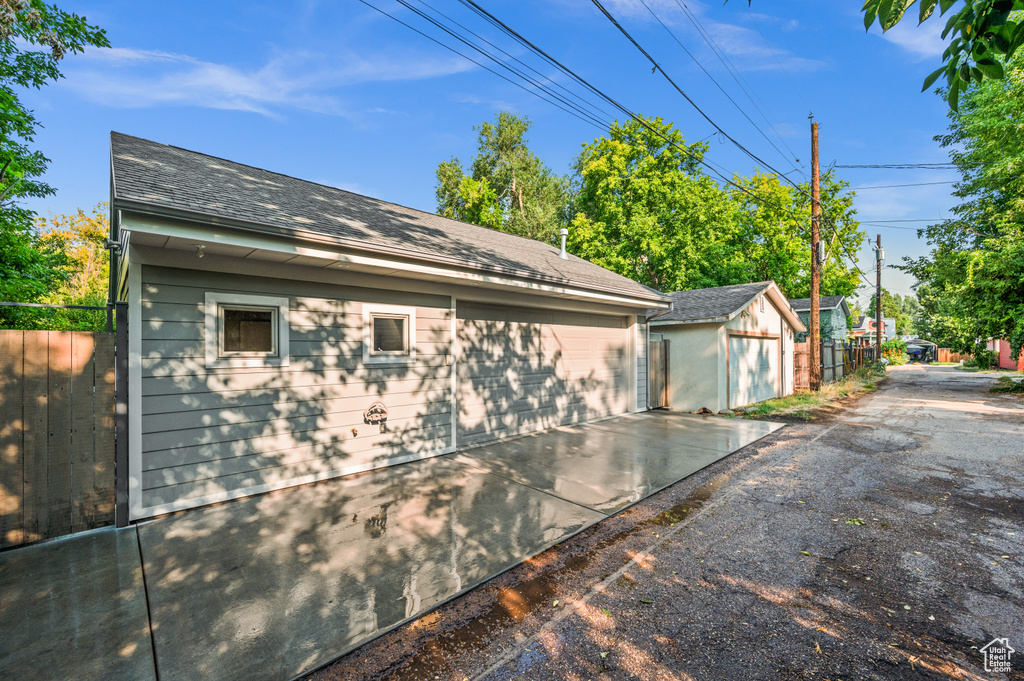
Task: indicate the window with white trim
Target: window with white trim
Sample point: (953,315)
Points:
(246,330)
(389,334)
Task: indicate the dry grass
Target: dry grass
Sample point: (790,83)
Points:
(804,403)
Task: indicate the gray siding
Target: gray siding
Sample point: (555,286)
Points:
(524,369)
(210,431)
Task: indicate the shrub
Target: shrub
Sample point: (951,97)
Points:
(982,359)
(872,370)
(895,351)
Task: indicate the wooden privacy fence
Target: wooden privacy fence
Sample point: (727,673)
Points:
(801,366)
(658,373)
(947,355)
(837,360)
(56,434)
(832,364)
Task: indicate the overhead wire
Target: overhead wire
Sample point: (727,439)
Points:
(715,81)
(568,92)
(605,97)
(731,69)
(661,70)
(784,70)
(483,66)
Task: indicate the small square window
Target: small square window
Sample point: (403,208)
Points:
(245,330)
(249,330)
(389,334)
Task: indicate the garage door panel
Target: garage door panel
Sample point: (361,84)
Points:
(552,371)
(753,370)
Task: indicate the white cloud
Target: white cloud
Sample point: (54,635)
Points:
(130,77)
(924,41)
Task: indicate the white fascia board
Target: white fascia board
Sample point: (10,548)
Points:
(678,322)
(385,265)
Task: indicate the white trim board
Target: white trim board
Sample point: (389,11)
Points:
(203,234)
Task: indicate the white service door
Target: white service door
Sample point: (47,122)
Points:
(753,370)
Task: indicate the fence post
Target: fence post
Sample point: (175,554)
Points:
(121,415)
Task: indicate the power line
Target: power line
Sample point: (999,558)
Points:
(893,186)
(587,85)
(731,69)
(597,122)
(512,57)
(657,67)
(483,66)
(878,222)
(777,60)
(910,166)
(715,81)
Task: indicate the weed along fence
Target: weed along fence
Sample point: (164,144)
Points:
(56,434)
(837,360)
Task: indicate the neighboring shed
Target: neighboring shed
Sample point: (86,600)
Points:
(274,322)
(833,312)
(729,346)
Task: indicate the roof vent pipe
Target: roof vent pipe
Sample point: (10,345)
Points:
(562,254)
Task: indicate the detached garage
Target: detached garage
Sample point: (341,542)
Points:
(728,347)
(282,332)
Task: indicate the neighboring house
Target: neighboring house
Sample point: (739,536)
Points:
(1002,348)
(282,331)
(729,346)
(864,331)
(833,311)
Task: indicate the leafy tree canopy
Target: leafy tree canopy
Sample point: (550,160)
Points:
(983,35)
(508,188)
(775,234)
(645,210)
(34,37)
(972,282)
(76,273)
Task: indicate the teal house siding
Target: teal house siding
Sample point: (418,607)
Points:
(833,315)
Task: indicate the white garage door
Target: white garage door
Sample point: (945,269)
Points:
(753,370)
(526,369)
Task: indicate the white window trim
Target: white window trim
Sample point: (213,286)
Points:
(368,356)
(215,301)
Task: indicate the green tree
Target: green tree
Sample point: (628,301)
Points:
(983,35)
(34,37)
(900,308)
(774,234)
(508,187)
(645,210)
(76,272)
(973,279)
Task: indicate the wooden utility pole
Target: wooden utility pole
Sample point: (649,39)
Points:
(879,256)
(814,339)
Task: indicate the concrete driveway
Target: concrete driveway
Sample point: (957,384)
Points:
(882,541)
(273,586)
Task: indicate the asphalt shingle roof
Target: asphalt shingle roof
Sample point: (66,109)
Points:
(709,303)
(178,179)
(825,303)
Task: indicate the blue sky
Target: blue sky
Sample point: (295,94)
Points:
(336,93)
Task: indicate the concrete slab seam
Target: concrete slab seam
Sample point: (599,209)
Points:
(599,588)
(149,612)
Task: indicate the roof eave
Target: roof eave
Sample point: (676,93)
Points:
(671,322)
(659,300)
